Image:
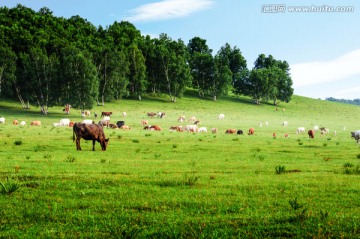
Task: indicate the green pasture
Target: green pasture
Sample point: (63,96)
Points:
(183,185)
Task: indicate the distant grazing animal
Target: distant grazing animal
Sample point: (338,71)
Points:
(64,122)
(286,135)
(120,123)
(71,124)
(214,130)
(106,113)
(87,112)
(260,124)
(95,115)
(56,124)
(87,121)
(176,128)
(274,135)
(267,124)
(15,122)
(2,120)
(356,135)
(316,128)
(113,126)
(124,114)
(181,119)
(105,121)
(221,116)
(251,131)
(161,115)
(285,123)
(191,128)
(203,130)
(300,130)
(67,109)
(151,114)
(125,127)
(311,133)
(23,123)
(92,132)
(324,130)
(155,127)
(230,131)
(36,123)
(334,132)
(144,122)
(192,119)
(239,132)
(197,122)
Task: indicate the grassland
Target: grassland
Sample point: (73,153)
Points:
(183,185)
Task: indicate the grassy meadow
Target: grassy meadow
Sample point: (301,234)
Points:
(183,185)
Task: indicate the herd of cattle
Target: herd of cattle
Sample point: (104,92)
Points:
(90,130)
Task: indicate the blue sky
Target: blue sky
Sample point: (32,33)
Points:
(321,46)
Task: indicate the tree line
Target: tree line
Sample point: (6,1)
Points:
(47,61)
(346,101)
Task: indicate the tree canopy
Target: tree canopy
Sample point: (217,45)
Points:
(48,60)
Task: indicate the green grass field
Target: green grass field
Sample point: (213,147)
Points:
(183,185)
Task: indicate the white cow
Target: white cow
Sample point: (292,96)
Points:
(300,130)
(23,123)
(191,128)
(203,129)
(64,122)
(214,130)
(124,114)
(56,124)
(285,123)
(316,128)
(2,120)
(221,116)
(87,121)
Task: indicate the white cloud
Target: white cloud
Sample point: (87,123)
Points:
(355,91)
(311,73)
(167,9)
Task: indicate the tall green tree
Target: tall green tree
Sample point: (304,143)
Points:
(137,76)
(79,77)
(221,82)
(176,72)
(201,64)
(154,70)
(40,77)
(281,82)
(7,70)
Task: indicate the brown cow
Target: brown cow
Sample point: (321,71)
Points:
(71,124)
(125,127)
(214,130)
(92,132)
(15,122)
(251,131)
(36,123)
(155,127)
(230,131)
(151,114)
(105,113)
(311,133)
(144,122)
(176,128)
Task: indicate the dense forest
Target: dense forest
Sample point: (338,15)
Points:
(47,60)
(353,102)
